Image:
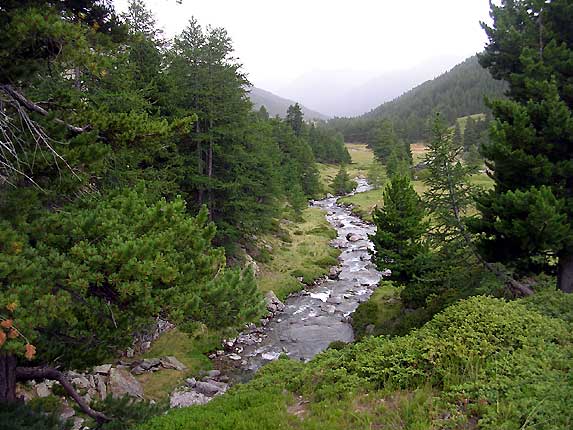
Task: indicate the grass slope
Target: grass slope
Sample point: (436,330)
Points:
(303,251)
(190,349)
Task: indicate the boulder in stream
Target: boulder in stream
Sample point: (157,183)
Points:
(353,237)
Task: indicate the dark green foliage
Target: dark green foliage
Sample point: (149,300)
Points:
(294,118)
(391,150)
(91,275)
(21,416)
(400,227)
(119,235)
(450,193)
(449,271)
(298,169)
(526,219)
(554,304)
(376,175)
(327,145)
(342,184)
(126,414)
(233,159)
(457,93)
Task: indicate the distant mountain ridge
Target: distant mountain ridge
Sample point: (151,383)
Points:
(276,105)
(456,93)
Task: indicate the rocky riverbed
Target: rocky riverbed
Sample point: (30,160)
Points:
(309,321)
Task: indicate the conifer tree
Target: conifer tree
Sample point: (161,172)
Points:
(527,219)
(400,227)
(450,193)
(376,175)
(294,118)
(342,184)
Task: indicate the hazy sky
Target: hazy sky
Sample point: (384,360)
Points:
(277,41)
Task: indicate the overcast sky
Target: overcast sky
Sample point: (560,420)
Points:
(277,41)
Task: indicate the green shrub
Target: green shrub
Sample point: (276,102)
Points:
(21,416)
(126,413)
(553,303)
(92,274)
(485,359)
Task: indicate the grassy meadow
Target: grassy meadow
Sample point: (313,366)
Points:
(362,157)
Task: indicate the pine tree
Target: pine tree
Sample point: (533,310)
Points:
(263,113)
(400,227)
(527,219)
(294,118)
(450,193)
(342,184)
(376,175)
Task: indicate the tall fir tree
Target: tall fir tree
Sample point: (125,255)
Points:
(295,119)
(527,218)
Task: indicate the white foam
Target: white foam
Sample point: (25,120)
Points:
(321,296)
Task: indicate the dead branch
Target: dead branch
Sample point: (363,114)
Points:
(31,106)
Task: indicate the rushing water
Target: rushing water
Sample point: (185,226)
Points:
(317,316)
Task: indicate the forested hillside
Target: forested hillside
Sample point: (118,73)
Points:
(457,93)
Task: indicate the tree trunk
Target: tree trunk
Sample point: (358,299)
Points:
(210,175)
(199,164)
(7,377)
(565,274)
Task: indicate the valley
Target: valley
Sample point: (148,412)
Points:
(384,242)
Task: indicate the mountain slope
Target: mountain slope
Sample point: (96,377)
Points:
(276,105)
(353,92)
(456,93)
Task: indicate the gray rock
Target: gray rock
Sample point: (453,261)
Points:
(273,303)
(148,363)
(129,353)
(352,237)
(171,362)
(42,390)
(252,264)
(138,370)
(334,272)
(81,382)
(66,412)
(214,373)
(234,357)
(184,399)
(330,309)
(191,382)
(206,388)
(78,423)
(103,369)
(121,382)
(101,386)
